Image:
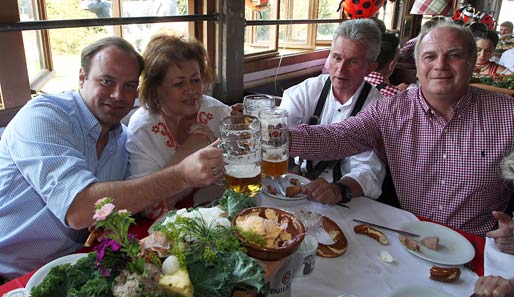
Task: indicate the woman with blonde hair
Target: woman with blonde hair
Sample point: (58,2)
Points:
(176,118)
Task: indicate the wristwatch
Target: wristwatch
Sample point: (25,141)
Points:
(346,192)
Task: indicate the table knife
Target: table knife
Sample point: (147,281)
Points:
(387,228)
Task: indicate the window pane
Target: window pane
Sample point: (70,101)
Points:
(298,9)
(66,45)
(140,34)
(76,9)
(327,9)
(31,40)
(260,38)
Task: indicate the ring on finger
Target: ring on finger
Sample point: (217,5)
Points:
(214,171)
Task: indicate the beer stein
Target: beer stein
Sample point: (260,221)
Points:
(275,143)
(253,104)
(241,144)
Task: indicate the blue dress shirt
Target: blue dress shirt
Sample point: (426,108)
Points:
(47,157)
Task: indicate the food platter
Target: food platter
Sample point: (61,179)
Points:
(419,291)
(454,249)
(38,277)
(286,183)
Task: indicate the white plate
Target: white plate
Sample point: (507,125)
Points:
(285,182)
(454,249)
(40,275)
(419,291)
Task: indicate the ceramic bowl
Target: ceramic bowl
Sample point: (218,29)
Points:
(294,227)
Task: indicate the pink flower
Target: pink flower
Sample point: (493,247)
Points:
(100,201)
(104,212)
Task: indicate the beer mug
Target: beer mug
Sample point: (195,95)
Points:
(253,104)
(241,144)
(275,143)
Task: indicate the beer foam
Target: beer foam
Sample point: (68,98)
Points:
(242,170)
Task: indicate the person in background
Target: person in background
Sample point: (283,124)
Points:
(387,60)
(176,119)
(61,153)
(443,141)
(491,285)
(407,50)
(506,30)
(337,95)
(486,45)
(507,59)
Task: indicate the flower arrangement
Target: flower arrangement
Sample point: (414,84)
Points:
(118,240)
(208,259)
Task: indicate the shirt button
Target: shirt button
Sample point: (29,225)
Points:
(441,207)
(443,182)
(444,156)
(445,130)
(339,110)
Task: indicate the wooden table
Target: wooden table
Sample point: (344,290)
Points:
(506,92)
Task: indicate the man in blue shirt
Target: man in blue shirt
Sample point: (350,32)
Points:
(62,153)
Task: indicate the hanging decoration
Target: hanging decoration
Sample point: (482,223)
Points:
(357,9)
(468,14)
(257,5)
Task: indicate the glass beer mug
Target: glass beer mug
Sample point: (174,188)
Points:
(275,143)
(241,145)
(253,104)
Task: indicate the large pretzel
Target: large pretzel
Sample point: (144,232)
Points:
(340,244)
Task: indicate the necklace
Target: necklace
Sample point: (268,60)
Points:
(480,68)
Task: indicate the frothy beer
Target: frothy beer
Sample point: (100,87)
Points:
(243,178)
(274,161)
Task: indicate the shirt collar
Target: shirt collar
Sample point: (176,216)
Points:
(350,101)
(461,105)
(91,124)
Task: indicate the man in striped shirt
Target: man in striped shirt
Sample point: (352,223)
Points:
(443,141)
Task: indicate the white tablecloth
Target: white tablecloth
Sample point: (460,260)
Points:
(360,271)
(497,262)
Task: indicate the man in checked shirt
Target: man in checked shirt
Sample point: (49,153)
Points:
(443,140)
(387,60)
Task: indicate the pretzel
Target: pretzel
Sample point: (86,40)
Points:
(340,244)
(444,274)
(371,232)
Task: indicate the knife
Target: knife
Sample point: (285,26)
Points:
(387,228)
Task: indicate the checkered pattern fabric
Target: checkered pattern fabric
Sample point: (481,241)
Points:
(432,7)
(446,171)
(376,78)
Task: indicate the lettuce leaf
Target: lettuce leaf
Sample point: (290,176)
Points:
(233,202)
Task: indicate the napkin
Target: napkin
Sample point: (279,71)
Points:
(497,262)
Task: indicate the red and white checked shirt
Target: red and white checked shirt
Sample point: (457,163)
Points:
(448,172)
(376,78)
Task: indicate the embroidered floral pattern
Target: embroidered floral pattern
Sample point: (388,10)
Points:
(160,128)
(204,117)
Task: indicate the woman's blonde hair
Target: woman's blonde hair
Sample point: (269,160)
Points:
(161,53)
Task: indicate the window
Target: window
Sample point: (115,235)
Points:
(53,55)
(265,38)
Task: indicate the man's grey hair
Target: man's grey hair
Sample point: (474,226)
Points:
(469,39)
(365,31)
